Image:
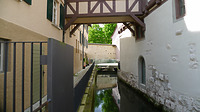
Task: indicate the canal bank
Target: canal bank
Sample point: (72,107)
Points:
(101,96)
(89,94)
(153,106)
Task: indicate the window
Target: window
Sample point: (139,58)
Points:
(83,40)
(86,43)
(139,32)
(54,21)
(49,9)
(180,8)
(28,1)
(61,16)
(76,45)
(52,11)
(80,37)
(142,70)
(1,55)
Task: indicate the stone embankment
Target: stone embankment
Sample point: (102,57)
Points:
(159,91)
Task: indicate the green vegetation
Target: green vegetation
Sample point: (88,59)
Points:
(105,97)
(101,35)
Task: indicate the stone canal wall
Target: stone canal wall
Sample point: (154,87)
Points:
(159,89)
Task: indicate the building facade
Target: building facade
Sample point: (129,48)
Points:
(118,33)
(33,21)
(163,60)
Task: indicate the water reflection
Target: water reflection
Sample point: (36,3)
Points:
(133,102)
(104,101)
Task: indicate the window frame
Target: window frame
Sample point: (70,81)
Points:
(55,13)
(142,71)
(1,56)
(178,8)
(61,16)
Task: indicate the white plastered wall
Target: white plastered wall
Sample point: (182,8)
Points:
(171,45)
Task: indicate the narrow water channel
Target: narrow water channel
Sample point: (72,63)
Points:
(108,99)
(131,101)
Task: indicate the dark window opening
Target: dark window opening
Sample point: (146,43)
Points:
(61,16)
(142,70)
(49,9)
(139,32)
(28,1)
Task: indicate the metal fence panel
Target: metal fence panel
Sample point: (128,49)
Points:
(60,76)
(16,72)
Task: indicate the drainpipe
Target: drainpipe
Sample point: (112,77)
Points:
(83,40)
(63,39)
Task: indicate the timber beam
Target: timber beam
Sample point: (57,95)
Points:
(152,5)
(128,26)
(74,29)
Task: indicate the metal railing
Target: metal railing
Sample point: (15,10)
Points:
(18,65)
(80,88)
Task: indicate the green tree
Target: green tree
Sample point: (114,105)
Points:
(101,35)
(105,97)
(109,104)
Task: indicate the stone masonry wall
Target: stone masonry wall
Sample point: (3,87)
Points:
(101,51)
(159,89)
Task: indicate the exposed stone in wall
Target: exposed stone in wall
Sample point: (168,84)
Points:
(148,50)
(193,64)
(159,88)
(174,58)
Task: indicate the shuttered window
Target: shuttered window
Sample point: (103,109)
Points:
(61,16)
(180,8)
(49,9)
(80,37)
(28,1)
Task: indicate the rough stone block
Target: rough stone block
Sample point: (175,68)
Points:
(172,96)
(179,108)
(196,105)
(172,105)
(184,100)
(167,103)
(166,78)
(157,75)
(161,91)
(150,67)
(166,94)
(169,86)
(158,83)
(151,79)
(161,100)
(161,76)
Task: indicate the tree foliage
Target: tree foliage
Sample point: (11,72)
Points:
(101,35)
(105,97)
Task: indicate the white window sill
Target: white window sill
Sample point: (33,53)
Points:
(55,25)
